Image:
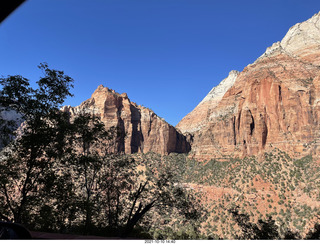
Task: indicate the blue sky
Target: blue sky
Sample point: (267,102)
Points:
(165,54)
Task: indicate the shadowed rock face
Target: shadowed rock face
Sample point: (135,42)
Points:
(273,102)
(145,131)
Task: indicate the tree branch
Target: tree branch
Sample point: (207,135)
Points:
(8,198)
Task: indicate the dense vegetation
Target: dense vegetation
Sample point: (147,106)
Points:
(276,190)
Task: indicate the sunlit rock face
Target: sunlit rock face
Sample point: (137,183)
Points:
(273,102)
(144,130)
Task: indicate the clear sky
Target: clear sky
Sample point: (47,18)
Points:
(165,54)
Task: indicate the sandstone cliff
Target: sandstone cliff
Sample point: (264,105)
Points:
(144,130)
(273,102)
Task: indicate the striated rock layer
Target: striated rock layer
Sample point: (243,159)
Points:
(144,130)
(274,102)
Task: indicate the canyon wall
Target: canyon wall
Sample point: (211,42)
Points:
(273,102)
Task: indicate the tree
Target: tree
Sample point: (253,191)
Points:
(267,229)
(314,234)
(263,230)
(90,145)
(166,201)
(9,122)
(115,192)
(24,162)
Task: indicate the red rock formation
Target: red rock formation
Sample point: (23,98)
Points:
(273,102)
(144,130)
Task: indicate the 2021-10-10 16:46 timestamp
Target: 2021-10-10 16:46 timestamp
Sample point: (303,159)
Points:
(159,241)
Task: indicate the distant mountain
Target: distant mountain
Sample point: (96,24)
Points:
(144,130)
(273,102)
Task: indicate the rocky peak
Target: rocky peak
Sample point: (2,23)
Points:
(302,35)
(218,92)
(144,130)
(300,41)
(104,91)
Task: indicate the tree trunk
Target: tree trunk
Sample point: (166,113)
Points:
(136,217)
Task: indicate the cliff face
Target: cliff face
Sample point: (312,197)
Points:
(273,102)
(144,130)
